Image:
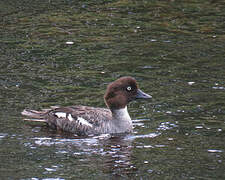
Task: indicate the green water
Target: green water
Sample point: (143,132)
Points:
(175,50)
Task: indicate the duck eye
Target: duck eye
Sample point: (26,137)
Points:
(129,88)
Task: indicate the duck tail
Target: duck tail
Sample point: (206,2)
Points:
(34,115)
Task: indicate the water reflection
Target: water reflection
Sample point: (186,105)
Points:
(114,152)
(3,135)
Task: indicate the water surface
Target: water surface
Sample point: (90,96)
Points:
(66,52)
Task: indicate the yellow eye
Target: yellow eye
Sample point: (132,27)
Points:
(129,88)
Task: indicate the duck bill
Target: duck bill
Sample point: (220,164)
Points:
(142,95)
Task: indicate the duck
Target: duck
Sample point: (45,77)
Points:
(86,120)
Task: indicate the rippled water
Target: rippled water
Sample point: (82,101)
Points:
(66,52)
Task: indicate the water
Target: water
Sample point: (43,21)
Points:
(66,52)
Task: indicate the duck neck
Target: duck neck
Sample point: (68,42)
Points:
(120,122)
(121,116)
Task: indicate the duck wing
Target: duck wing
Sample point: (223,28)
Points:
(81,120)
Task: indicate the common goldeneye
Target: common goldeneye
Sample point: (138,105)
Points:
(85,120)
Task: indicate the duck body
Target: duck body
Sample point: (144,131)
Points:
(85,120)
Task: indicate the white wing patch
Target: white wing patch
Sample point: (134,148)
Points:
(82,121)
(70,117)
(60,114)
(64,115)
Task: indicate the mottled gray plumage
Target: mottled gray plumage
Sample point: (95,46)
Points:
(97,117)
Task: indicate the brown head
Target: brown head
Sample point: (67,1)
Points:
(122,91)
